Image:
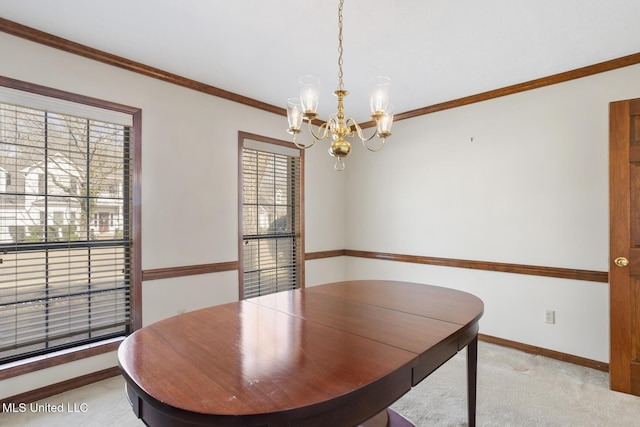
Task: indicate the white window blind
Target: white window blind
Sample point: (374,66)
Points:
(64,227)
(47,103)
(271,187)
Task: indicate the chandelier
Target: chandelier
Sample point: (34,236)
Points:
(305,108)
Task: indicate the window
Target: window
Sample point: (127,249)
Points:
(64,282)
(271,188)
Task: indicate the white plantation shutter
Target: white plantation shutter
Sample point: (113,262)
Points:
(65,237)
(271,222)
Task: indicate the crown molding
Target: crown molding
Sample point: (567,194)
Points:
(37,36)
(566,76)
(60,43)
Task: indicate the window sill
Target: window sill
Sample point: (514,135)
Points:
(33,364)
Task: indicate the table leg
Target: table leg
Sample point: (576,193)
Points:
(472,378)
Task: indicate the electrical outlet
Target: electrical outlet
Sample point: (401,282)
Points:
(550,317)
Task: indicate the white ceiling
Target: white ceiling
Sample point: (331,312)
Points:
(433,50)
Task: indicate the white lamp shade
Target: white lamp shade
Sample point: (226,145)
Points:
(309,93)
(385,122)
(294,113)
(379,88)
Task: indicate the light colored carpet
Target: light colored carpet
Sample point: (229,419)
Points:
(519,389)
(514,389)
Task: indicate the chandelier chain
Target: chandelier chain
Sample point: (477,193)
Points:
(340,83)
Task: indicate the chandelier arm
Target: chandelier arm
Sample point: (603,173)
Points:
(352,122)
(374,149)
(302,147)
(316,138)
(321,134)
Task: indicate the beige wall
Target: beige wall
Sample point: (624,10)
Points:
(531,189)
(189,185)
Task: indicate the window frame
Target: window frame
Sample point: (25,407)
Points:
(20,367)
(300,234)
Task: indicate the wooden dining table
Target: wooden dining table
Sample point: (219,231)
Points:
(331,355)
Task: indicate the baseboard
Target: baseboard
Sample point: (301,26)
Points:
(61,387)
(576,360)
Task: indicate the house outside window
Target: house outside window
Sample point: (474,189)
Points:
(271,221)
(63,282)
